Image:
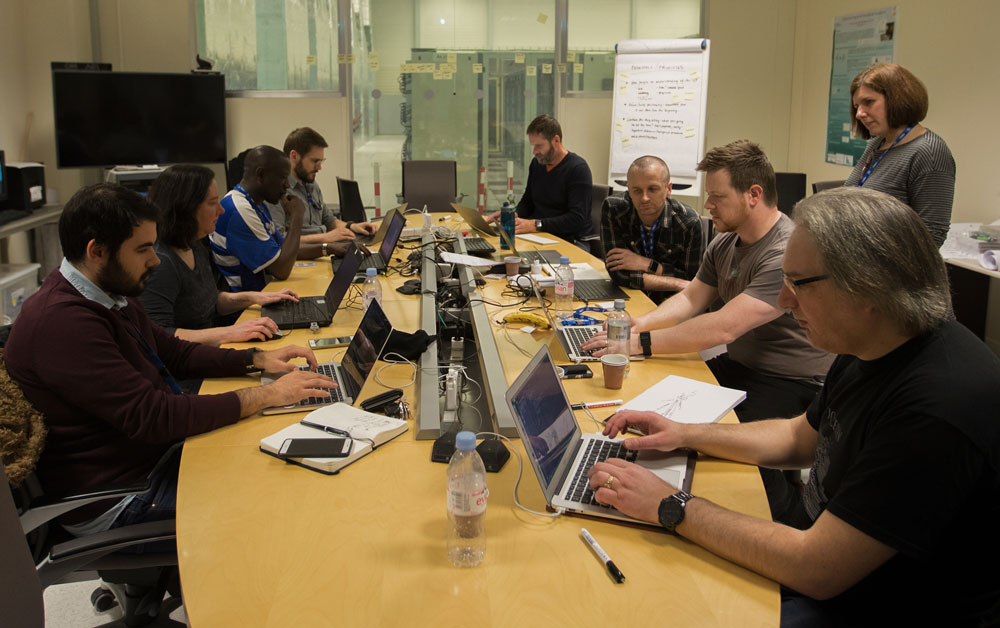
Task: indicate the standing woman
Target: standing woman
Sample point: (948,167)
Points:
(182,295)
(903,158)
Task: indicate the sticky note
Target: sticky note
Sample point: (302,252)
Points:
(374,65)
(675,98)
(452,57)
(518,57)
(689,131)
(619,126)
(561,68)
(373,55)
(530,70)
(694,73)
(626,141)
(542,18)
(477,68)
(546,68)
(689,94)
(577,68)
(571,56)
(345,59)
(310,59)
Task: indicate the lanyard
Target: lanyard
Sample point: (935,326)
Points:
(264,220)
(648,236)
(152,356)
(309,197)
(868,171)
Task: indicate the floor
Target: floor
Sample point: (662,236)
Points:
(68,606)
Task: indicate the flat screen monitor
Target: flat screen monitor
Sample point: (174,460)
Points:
(3,178)
(106,119)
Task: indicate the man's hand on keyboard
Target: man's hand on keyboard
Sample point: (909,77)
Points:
(661,433)
(267,298)
(298,385)
(364,228)
(597,345)
(277,361)
(632,489)
(261,328)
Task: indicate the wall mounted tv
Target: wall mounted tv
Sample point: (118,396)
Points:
(106,119)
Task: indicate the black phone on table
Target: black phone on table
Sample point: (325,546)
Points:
(315,447)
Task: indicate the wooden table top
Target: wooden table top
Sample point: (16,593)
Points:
(263,543)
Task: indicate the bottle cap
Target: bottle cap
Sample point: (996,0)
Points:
(465,441)
(371,272)
(619,304)
(564,260)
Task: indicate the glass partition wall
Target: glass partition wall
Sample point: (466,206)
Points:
(435,79)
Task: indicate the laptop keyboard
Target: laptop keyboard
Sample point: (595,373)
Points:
(597,451)
(597,290)
(478,245)
(576,336)
(336,394)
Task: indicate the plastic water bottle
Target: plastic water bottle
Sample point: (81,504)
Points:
(507,214)
(619,329)
(466,503)
(371,290)
(564,289)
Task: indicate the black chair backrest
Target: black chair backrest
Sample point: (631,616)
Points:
(791,190)
(819,186)
(20,588)
(351,207)
(429,182)
(234,170)
(599,193)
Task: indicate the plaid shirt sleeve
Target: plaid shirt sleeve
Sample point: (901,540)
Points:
(617,215)
(686,227)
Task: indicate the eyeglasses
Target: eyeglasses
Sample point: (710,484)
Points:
(792,284)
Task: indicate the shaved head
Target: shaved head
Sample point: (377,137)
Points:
(265,173)
(650,162)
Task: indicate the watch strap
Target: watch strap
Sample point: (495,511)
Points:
(672,509)
(652,266)
(250,353)
(646,342)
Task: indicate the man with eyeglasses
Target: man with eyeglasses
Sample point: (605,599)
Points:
(902,443)
(306,151)
(768,354)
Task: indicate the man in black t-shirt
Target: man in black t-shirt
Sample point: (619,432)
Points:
(903,441)
(559,189)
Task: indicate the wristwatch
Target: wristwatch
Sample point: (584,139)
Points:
(538,225)
(671,511)
(652,266)
(646,342)
(325,246)
(250,353)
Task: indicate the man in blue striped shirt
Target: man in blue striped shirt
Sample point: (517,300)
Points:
(246,241)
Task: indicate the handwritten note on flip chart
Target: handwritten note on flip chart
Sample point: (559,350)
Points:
(659,104)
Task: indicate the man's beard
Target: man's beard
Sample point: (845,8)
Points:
(113,279)
(302,175)
(546,158)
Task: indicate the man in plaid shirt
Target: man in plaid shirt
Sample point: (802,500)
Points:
(653,242)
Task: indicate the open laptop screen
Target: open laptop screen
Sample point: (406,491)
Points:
(363,351)
(391,237)
(538,400)
(343,278)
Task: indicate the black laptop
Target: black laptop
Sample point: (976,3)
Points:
(319,310)
(380,259)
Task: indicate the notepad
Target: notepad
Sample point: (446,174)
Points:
(686,400)
(365,429)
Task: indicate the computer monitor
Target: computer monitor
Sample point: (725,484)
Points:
(3,178)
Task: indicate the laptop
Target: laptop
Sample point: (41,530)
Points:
(351,373)
(547,256)
(570,336)
(383,227)
(380,260)
(477,222)
(561,454)
(319,310)
(597,290)
(351,207)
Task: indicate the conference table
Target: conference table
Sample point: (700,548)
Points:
(265,543)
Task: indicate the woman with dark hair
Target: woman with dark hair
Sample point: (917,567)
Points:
(182,295)
(903,158)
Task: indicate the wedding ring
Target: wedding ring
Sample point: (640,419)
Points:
(611,480)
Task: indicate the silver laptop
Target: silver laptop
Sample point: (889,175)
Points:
(351,373)
(561,454)
(570,336)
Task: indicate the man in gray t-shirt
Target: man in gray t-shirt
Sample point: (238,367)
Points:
(768,354)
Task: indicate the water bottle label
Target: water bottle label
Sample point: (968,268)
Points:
(564,288)
(464,503)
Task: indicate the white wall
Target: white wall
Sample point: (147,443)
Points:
(951,47)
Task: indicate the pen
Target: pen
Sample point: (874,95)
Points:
(618,576)
(326,428)
(597,404)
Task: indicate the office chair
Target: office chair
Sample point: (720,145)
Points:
(234,169)
(593,238)
(791,190)
(433,183)
(139,581)
(351,207)
(819,186)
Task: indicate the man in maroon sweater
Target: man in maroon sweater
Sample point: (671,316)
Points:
(103,375)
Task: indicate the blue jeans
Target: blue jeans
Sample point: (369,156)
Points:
(156,504)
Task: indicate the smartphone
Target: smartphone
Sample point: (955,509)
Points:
(323,343)
(315,447)
(576,371)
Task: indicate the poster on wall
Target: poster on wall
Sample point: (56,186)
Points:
(859,40)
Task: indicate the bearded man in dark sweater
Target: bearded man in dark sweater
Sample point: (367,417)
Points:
(104,376)
(557,196)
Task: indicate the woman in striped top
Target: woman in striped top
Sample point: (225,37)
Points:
(903,158)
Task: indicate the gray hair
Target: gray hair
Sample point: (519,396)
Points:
(648,162)
(877,249)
